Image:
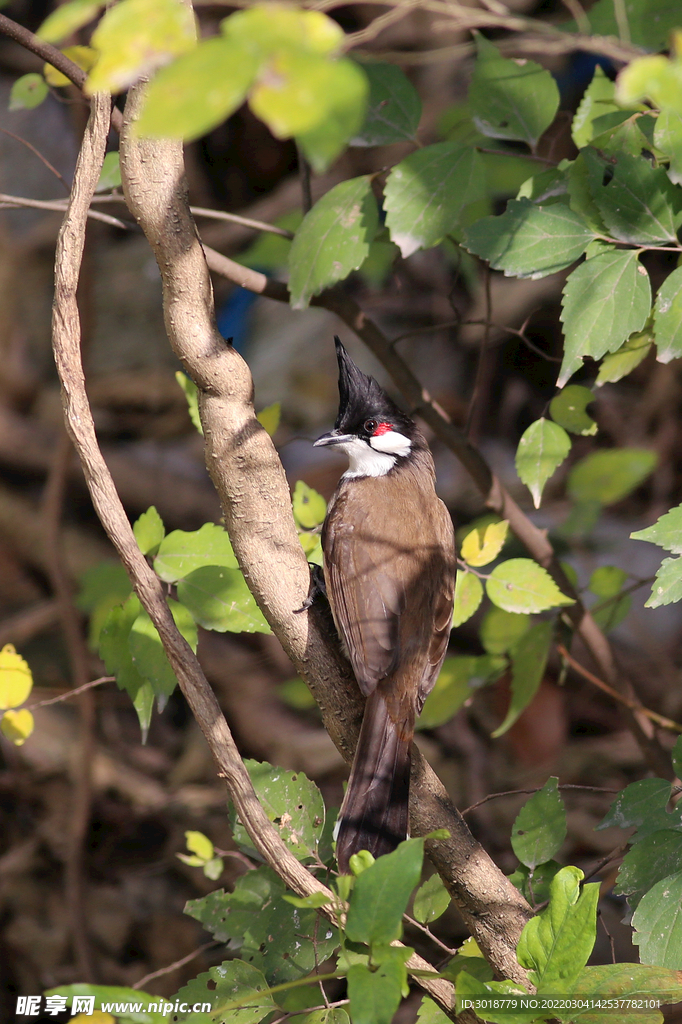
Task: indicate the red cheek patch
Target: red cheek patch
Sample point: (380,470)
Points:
(383,428)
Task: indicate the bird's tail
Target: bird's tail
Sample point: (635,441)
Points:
(374,813)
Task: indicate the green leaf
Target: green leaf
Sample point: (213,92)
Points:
(606,299)
(346,105)
(232,982)
(492,999)
(181,553)
(192,396)
(534,883)
(653,77)
(521,585)
(543,186)
(643,804)
(430,1013)
(619,364)
(270,416)
(258,918)
(647,863)
(468,596)
(668,318)
(609,475)
(309,507)
(625,982)
(431,900)
(668,586)
(540,826)
(198,91)
(555,945)
(163,29)
(218,598)
(147,650)
(529,658)
(316,899)
(530,240)
(500,630)
(292,802)
(333,1015)
(597,99)
(393,108)
(583,177)
(375,995)
(666,531)
(658,924)
(110,175)
(606,582)
(426,193)
(542,449)
(511,99)
(648,21)
(67,19)
(118,660)
(333,239)
(381,893)
(118,994)
(569,410)
(149,531)
(639,204)
(28,92)
(459,677)
(101,588)
(668,139)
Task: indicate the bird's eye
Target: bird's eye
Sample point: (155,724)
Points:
(370,426)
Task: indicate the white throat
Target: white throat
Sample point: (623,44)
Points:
(376,458)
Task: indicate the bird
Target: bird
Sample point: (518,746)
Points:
(389,570)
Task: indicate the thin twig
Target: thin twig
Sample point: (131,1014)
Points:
(235,218)
(535,789)
(476,409)
(72,693)
(427,931)
(40,156)
(632,705)
(605,860)
(51,55)
(59,205)
(174,966)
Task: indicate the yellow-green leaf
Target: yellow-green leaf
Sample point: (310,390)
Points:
(521,585)
(468,596)
(84,56)
(269,417)
(16,680)
(568,409)
(28,92)
(199,844)
(542,449)
(137,36)
(67,19)
(617,365)
(17,726)
(266,28)
(198,91)
(309,507)
(484,544)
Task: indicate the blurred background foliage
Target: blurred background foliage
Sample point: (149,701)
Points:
(130,817)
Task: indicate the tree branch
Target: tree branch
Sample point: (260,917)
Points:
(78,416)
(255,497)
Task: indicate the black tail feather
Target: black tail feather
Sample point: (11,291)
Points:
(374,815)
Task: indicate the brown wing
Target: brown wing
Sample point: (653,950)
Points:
(443,602)
(365,596)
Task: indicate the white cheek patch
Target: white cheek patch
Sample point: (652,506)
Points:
(392,442)
(365,461)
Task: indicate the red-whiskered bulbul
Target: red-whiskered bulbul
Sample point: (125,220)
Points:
(389,571)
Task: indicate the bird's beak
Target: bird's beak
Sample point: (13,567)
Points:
(333,437)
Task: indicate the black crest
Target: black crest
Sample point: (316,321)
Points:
(360,396)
